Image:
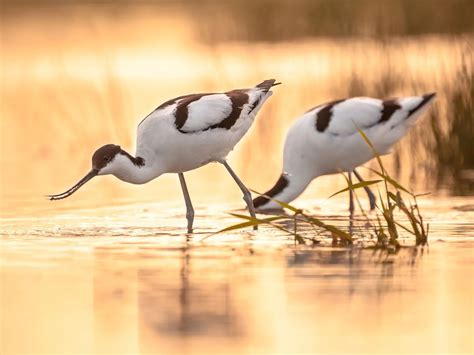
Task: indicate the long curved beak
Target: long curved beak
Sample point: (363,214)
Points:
(76,187)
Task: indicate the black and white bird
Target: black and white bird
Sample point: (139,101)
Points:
(325,140)
(183,134)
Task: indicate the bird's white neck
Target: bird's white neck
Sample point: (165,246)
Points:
(135,170)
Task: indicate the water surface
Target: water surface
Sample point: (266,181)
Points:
(127,279)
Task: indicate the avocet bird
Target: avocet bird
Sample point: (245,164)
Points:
(325,140)
(183,134)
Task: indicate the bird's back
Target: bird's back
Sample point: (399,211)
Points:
(199,128)
(327,138)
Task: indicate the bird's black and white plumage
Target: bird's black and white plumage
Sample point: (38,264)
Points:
(183,134)
(325,140)
(193,130)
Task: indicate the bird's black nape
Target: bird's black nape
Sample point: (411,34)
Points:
(137,161)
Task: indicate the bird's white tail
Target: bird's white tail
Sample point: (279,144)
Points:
(266,85)
(416,105)
(411,108)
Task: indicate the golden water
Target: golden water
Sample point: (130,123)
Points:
(110,270)
(126,279)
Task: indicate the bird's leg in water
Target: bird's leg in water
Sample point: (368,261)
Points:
(369,192)
(351,196)
(187,200)
(245,191)
(351,203)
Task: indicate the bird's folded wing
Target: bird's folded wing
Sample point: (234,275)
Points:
(201,112)
(208,112)
(343,117)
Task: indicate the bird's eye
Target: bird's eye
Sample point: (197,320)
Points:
(106,158)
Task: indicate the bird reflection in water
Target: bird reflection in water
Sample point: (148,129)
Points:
(189,302)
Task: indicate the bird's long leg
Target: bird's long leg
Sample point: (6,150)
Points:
(187,200)
(351,196)
(351,204)
(369,192)
(245,191)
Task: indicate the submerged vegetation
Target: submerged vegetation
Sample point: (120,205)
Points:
(383,230)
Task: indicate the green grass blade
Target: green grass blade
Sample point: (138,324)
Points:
(250,223)
(423,194)
(330,228)
(238,226)
(356,186)
(391,181)
(394,197)
(260,220)
(405,228)
(281,203)
(369,143)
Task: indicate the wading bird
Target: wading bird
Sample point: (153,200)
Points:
(183,134)
(325,140)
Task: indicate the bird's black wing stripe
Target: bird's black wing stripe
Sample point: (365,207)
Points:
(182,109)
(238,99)
(389,107)
(323,117)
(281,184)
(164,104)
(424,101)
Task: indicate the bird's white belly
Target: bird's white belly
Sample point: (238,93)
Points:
(327,156)
(196,153)
(347,153)
(191,151)
(344,157)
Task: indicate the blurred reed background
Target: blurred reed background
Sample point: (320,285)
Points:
(76,75)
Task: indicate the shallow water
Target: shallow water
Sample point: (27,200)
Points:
(127,279)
